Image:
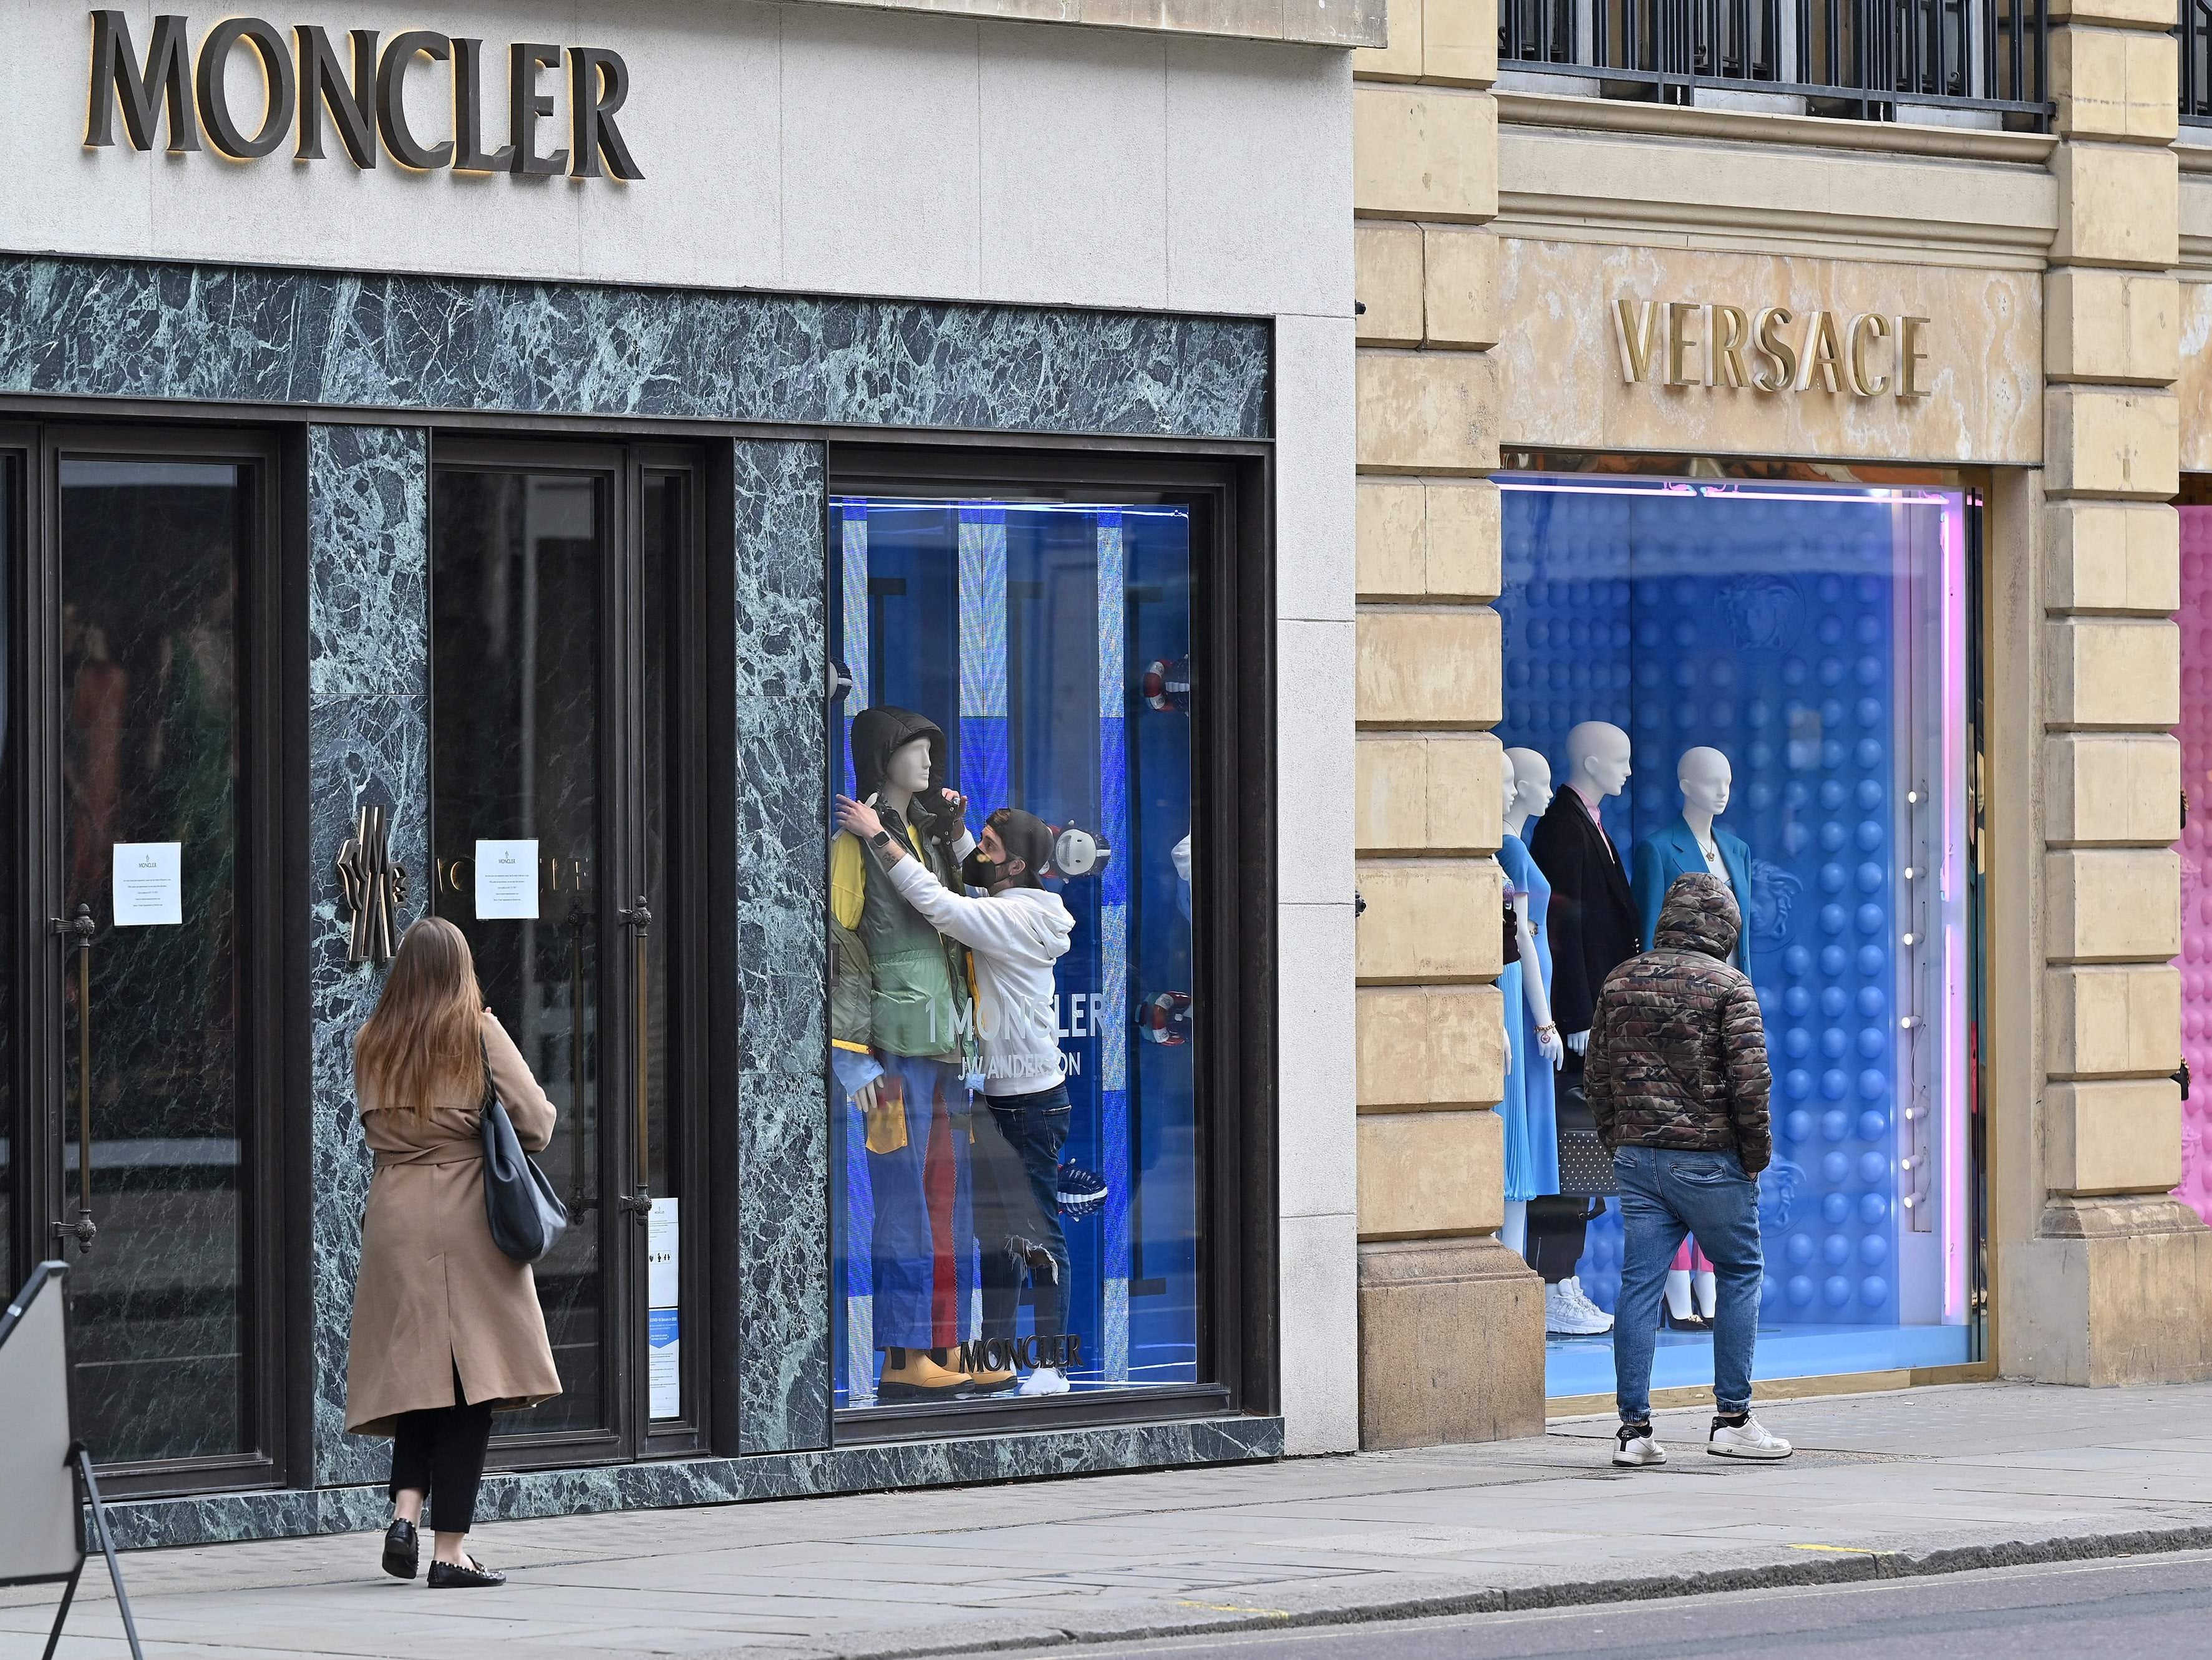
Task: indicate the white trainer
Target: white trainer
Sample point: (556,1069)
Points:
(1749,1439)
(1046,1380)
(1573,1288)
(1562,1318)
(1638,1446)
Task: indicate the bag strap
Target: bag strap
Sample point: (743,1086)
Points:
(491,1090)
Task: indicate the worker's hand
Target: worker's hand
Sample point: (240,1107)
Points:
(1579,1041)
(858,819)
(954,803)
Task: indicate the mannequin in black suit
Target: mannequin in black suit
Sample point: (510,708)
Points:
(1593,931)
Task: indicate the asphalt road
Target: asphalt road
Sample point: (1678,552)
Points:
(2135,1609)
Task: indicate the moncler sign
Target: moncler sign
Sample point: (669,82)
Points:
(358,94)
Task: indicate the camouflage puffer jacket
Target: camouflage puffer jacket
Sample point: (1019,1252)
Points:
(1677,1054)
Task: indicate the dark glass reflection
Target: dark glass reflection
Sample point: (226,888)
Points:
(10,1132)
(663,520)
(150,554)
(515,754)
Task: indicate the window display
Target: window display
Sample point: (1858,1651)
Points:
(2196,734)
(1766,681)
(1012,1028)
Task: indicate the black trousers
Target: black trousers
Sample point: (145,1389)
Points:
(441,1451)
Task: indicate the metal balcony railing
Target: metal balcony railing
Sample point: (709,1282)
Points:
(2194,33)
(1863,58)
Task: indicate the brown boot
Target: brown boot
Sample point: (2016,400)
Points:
(910,1375)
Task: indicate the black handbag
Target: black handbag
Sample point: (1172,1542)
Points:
(1585,1167)
(525,1215)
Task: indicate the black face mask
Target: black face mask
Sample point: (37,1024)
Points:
(977,871)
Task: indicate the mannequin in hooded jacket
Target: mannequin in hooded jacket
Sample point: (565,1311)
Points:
(901,1032)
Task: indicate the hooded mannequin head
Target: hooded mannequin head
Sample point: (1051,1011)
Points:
(898,748)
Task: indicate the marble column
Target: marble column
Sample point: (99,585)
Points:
(781,1348)
(368,741)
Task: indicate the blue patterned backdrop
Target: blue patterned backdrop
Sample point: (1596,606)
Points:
(1765,628)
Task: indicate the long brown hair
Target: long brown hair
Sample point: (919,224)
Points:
(426,1033)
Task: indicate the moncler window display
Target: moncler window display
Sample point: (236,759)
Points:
(1787,650)
(1035,1236)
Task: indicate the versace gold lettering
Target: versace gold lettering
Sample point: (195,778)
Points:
(1631,333)
(1681,319)
(1867,326)
(1690,343)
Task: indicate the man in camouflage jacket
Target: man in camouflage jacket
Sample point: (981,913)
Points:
(1677,1080)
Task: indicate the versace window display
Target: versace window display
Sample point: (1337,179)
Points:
(1763,679)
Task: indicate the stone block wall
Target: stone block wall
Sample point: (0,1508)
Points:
(2102,1277)
(1431,1030)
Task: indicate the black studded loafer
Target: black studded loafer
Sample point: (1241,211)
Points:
(402,1550)
(463,1576)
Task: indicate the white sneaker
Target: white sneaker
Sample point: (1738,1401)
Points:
(1749,1439)
(1638,1446)
(1563,1319)
(1046,1380)
(1580,1298)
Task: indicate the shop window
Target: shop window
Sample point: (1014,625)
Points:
(1796,653)
(1019,1147)
(2196,734)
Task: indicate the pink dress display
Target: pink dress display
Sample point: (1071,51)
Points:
(2195,848)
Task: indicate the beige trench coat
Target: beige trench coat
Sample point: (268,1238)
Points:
(434,1293)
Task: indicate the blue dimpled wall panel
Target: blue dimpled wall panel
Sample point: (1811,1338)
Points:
(1764,628)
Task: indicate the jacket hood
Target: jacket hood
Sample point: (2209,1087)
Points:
(1699,915)
(879,731)
(1042,916)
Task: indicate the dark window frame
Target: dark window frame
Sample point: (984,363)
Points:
(272,1013)
(1233,902)
(630,1434)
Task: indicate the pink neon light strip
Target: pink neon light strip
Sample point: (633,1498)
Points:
(1953,795)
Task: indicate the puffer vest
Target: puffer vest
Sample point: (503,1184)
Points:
(919,1003)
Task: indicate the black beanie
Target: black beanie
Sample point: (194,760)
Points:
(1028,838)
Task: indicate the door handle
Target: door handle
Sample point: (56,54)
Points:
(638,918)
(79,928)
(580,1196)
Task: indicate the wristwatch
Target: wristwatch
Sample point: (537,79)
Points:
(881,838)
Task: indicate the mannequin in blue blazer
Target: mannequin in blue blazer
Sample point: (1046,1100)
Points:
(1674,851)
(1706,779)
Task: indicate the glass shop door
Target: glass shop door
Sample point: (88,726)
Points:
(140,984)
(560,638)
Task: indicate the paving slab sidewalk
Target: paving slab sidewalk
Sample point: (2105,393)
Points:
(1915,1481)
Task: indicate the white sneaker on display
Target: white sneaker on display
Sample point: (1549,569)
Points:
(1580,1298)
(1563,1318)
(1046,1380)
(1749,1439)
(1637,1445)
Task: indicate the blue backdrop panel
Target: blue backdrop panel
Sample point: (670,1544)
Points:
(1763,627)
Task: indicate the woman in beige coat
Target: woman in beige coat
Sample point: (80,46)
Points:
(446,1328)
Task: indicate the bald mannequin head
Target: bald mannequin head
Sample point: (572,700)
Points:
(1532,787)
(1705,778)
(1597,760)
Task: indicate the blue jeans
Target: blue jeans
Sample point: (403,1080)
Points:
(1665,1195)
(1018,1199)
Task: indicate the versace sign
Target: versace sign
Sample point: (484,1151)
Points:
(1691,343)
(363,94)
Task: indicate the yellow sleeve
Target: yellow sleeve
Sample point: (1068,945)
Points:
(849,881)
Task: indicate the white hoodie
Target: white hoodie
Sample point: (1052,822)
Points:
(1016,936)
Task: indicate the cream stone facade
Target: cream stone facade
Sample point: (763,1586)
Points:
(1507,240)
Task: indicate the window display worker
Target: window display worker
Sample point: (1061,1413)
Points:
(1677,1079)
(1015,933)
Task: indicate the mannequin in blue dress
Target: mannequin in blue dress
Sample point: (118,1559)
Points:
(1532,1148)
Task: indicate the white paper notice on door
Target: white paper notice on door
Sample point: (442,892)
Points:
(664,1324)
(150,891)
(507,880)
